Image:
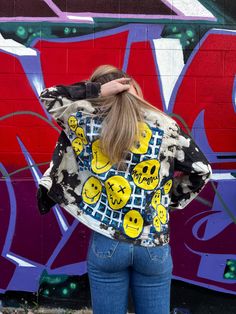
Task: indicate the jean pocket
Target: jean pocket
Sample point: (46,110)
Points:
(159,253)
(103,246)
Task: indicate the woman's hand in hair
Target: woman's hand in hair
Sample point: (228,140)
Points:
(115,87)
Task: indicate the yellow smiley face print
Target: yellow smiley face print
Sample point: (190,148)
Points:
(141,144)
(157,224)
(73,123)
(156,199)
(167,186)
(77,145)
(118,191)
(162,214)
(100,162)
(80,134)
(133,223)
(92,190)
(146,174)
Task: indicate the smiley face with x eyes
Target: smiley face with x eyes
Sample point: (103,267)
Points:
(118,191)
(92,190)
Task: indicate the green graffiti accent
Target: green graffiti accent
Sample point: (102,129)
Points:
(67,30)
(73,285)
(65,292)
(53,279)
(38,33)
(230,270)
(46,292)
(59,286)
(22,32)
(26,33)
(190,33)
(186,33)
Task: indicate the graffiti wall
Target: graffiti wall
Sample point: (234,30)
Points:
(183,54)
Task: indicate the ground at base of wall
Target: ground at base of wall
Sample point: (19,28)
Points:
(185,299)
(44,311)
(68,311)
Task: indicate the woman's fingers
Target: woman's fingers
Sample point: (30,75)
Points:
(123,86)
(122,79)
(114,87)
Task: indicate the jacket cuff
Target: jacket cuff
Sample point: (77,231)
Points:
(93,89)
(45,203)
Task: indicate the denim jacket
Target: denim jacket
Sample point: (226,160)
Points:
(131,204)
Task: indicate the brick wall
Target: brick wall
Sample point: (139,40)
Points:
(184,57)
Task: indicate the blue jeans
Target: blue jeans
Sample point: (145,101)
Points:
(114,266)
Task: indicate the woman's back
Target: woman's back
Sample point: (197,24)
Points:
(115,167)
(130,202)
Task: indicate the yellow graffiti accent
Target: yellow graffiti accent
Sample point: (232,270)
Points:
(118,192)
(167,186)
(156,199)
(162,214)
(73,123)
(100,162)
(77,145)
(141,144)
(80,134)
(157,224)
(146,174)
(92,190)
(133,223)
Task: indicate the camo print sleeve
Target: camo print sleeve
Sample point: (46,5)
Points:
(193,171)
(58,98)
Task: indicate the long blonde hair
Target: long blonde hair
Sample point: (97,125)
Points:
(122,113)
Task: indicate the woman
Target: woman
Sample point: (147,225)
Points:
(121,155)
